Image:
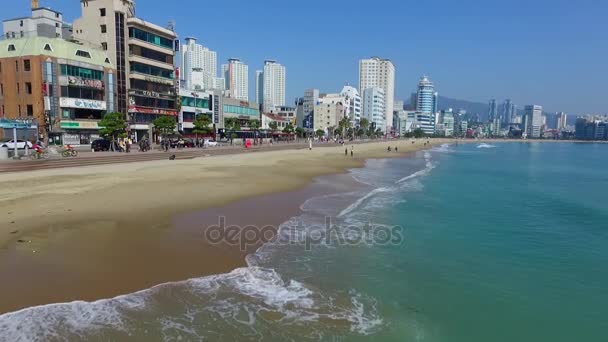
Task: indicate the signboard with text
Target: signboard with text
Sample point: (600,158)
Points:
(66,102)
(158,111)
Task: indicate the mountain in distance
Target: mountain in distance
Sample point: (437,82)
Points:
(470,107)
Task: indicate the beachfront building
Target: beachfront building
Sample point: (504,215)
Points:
(199,66)
(310,100)
(379,73)
(426,97)
(236,76)
(533,121)
(44,22)
(286,112)
(65,87)
(269,118)
(562,121)
(144,57)
(242,110)
(270,86)
(374,107)
(328,112)
(193,104)
(354,104)
(425,122)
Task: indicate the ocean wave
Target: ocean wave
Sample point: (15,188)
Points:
(486,146)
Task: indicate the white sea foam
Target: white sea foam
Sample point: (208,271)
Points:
(486,146)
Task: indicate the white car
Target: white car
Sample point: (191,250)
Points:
(211,143)
(11,144)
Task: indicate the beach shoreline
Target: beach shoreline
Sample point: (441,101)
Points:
(98,232)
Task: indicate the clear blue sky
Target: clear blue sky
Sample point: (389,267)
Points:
(553,53)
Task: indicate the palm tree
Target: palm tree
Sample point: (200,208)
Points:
(364,124)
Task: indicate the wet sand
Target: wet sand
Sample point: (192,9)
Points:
(97,232)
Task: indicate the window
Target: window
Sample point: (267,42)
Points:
(71,70)
(21,34)
(104,29)
(1,89)
(151,70)
(30,110)
(28,87)
(17,88)
(21,23)
(47,47)
(150,38)
(17,66)
(107,60)
(26,65)
(0,66)
(19,112)
(57,25)
(102,12)
(104,46)
(82,53)
(11,47)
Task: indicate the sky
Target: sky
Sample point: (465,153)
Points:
(551,53)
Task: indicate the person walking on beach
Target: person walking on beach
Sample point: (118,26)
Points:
(310,144)
(352,151)
(389,149)
(395,148)
(346,151)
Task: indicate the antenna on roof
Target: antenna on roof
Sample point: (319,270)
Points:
(171,25)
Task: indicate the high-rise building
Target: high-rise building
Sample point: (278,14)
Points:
(236,75)
(311,98)
(426,97)
(562,121)
(44,22)
(197,58)
(143,54)
(374,107)
(508,112)
(328,112)
(272,85)
(379,73)
(354,103)
(534,121)
(492,110)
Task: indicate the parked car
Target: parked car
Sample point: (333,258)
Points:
(100,145)
(10,143)
(211,143)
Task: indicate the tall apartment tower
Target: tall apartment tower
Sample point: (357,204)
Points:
(259,87)
(534,121)
(236,74)
(426,97)
(492,110)
(197,58)
(374,107)
(273,90)
(379,73)
(144,55)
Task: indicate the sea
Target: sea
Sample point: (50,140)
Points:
(462,242)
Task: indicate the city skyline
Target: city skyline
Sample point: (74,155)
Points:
(528,78)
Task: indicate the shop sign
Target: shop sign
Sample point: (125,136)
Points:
(65,102)
(81,82)
(144,110)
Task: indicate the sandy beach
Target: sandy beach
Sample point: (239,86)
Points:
(99,231)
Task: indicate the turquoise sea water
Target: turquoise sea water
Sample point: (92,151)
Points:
(494,243)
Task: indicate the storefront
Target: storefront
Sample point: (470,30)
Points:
(77,133)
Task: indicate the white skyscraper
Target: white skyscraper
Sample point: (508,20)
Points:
(197,58)
(236,74)
(534,121)
(376,72)
(354,103)
(270,85)
(374,107)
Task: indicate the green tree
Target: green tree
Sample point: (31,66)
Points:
(201,124)
(273,126)
(344,125)
(112,125)
(254,126)
(364,124)
(232,125)
(300,132)
(320,133)
(337,131)
(288,129)
(419,133)
(165,124)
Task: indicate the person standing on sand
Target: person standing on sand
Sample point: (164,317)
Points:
(352,151)
(310,144)
(346,151)
(395,148)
